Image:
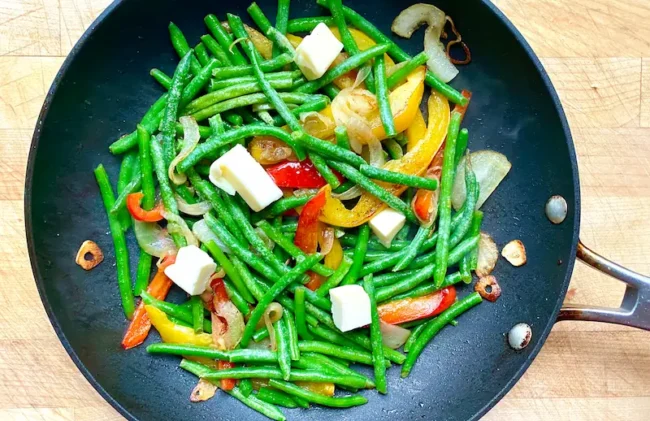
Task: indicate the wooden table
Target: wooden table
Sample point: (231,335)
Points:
(598,55)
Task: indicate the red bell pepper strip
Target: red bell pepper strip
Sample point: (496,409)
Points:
(315,281)
(133,205)
(297,175)
(462,109)
(409,309)
(227,384)
(309,225)
(221,295)
(140,325)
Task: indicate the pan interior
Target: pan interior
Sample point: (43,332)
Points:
(105,88)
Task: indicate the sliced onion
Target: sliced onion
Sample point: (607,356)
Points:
(413,17)
(338,232)
(176,224)
(263,344)
(376,156)
(195,209)
(268,150)
(350,108)
(203,391)
(304,192)
(317,124)
(272,314)
(205,235)
(227,324)
(490,168)
(153,239)
(393,336)
(488,254)
(349,194)
(438,62)
(265,238)
(191,137)
(326,240)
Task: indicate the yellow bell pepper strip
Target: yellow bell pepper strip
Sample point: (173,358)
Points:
(176,334)
(414,162)
(262,44)
(416,131)
(325,389)
(334,258)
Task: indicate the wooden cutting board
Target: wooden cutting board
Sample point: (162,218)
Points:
(597,53)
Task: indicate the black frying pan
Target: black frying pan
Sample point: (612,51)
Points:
(102,90)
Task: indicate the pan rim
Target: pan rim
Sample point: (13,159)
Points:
(39,279)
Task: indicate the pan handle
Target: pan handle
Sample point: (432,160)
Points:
(635,308)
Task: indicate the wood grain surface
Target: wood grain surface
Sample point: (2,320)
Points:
(597,53)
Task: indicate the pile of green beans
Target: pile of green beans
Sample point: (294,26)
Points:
(225,80)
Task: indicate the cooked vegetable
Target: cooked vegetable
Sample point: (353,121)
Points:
(556,209)
(519,336)
(488,287)
(488,254)
(89,255)
(515,253)
(490,169)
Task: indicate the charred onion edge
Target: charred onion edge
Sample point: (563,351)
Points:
(89,247)
(485,282)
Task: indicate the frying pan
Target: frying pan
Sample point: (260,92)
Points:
(102,90)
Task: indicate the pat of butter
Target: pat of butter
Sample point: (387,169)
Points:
(237,171)
(386,224)
(317,52)
(350,307)
(192,270)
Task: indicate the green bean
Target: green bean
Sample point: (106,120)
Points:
(288,227)
(213,46)
(314,105)
(186,194)
(342,138)
(299,303)
(293,335)
(249,233)
(271,94)
(182,47)
(344,67)
(347,185)
(308,24)
(413,337)
(167,126)
(237,248)
(150,121)
(359,253)
(235,296)
(413,249)
(245,70)
(276,397)
(335,402)
(323,362)
(225,39)
(174,310)
(399,178)
(197,314)
(461,146)
(251,401)
(283,346)
(224,83)
(217,141)
(444,207)
(123,179)
(381,90)
(376,338)
(160,77)
(279,286)
(231,116)
(207,191)
(119,242)
(397,53)
(334,336)
(246,387)
(417,277)
(346,353)
(245,101)
(268,372)
(133,185)
(328,149)
(281,206)
(405,70)
(324,170)
(231,92)
(281,42)
(166,193)
(202,54)
(394,149)
(374,189)
(435,325)
(335,279)
(364,341)
(259,17)
(429,288)
(467,263)
(281,20)
(247,278)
